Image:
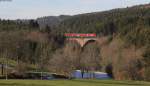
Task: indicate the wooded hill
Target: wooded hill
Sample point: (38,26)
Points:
(123,49)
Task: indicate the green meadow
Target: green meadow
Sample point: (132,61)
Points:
(72,83)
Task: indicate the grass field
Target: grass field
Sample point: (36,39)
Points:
(72,83)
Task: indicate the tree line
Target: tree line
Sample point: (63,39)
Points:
(123,48)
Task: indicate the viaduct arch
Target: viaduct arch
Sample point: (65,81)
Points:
(81,39)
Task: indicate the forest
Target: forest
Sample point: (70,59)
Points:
(123,48)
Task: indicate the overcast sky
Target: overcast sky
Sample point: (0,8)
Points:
(27,9)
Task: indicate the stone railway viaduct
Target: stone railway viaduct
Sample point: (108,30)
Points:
(81,39)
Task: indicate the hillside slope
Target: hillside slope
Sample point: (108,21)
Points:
(132,24)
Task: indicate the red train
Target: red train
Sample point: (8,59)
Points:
(80,35)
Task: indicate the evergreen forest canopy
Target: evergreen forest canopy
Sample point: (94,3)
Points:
(123,49)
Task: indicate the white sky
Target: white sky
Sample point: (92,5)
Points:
(27,9)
